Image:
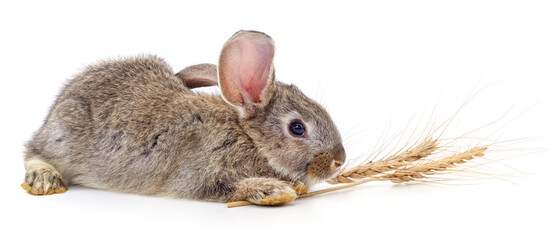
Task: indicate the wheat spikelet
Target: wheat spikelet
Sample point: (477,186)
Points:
(419,171)
(422,150)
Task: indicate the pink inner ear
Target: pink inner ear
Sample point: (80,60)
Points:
(245,65)
(255,59)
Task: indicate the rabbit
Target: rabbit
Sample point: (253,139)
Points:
(131,125)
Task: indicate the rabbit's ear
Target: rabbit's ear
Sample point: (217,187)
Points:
(246,73)
(200,75)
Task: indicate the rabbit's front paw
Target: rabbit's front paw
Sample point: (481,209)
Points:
(265,191)
(278,198)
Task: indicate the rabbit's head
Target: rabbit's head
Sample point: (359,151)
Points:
(293,132)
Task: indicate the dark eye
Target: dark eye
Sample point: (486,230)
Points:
(297,128)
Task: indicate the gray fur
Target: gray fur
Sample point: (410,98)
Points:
(130,125)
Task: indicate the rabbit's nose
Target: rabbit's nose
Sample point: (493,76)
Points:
(339,156)
(337,163)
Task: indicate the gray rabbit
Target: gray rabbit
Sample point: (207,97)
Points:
(132,125)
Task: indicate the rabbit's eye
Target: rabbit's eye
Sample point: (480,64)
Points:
(297,128)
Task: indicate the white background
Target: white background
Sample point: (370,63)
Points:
(377,67)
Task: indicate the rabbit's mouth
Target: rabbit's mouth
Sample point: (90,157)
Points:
(326,164)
